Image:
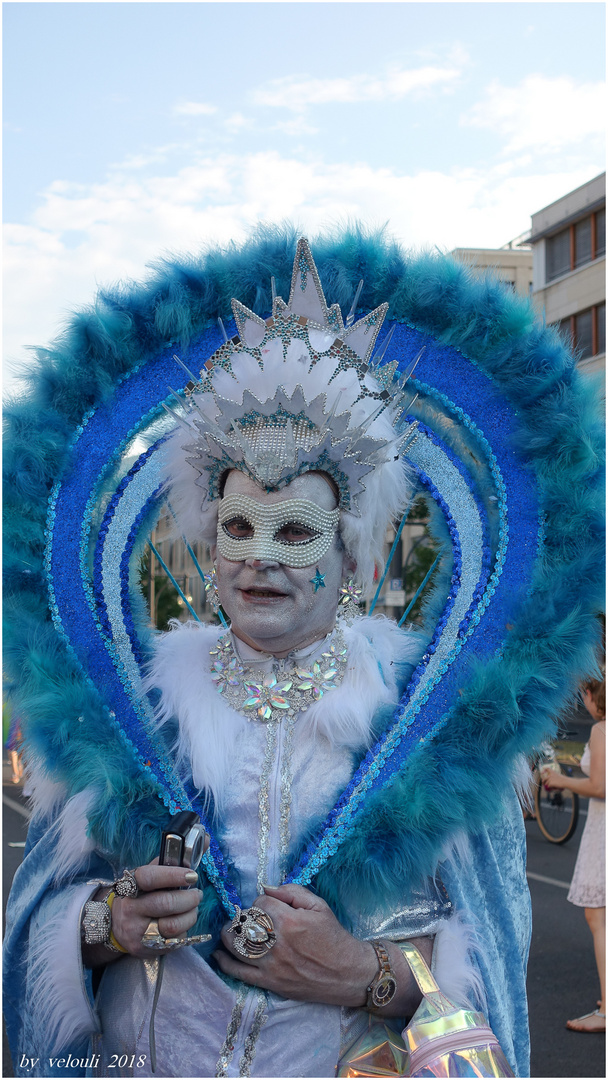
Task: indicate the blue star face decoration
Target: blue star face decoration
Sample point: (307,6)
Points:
(318,580)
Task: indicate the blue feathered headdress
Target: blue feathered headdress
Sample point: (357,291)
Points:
(507,424)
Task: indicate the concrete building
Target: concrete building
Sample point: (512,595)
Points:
(568,241)
(511,263)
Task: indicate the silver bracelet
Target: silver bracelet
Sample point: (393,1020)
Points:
(97,924)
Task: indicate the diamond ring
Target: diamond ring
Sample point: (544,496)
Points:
(253,931)
(126,885)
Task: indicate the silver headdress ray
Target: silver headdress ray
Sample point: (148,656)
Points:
(300,391)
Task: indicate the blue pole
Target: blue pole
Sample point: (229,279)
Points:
(172,580)
(417,593)
(199,569)
(389,560)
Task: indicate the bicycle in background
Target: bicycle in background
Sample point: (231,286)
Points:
(556,811)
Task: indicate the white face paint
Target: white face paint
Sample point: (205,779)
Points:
(296,532)
(271,604)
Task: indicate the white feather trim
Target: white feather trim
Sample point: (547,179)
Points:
(59,997)
(47,800)
(45,796)
(208,728)
(523,781)
(344,716)
(455,972)
(73,844)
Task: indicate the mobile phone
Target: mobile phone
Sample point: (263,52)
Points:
(183,841)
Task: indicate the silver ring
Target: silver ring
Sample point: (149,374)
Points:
(126,885)
(253,932)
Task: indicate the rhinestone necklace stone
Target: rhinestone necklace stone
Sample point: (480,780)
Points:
(291,686)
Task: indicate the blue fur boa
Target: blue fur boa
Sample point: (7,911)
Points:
(508,704)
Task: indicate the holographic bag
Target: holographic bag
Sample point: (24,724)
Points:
(441,1040)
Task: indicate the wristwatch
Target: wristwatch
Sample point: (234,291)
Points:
(384,987)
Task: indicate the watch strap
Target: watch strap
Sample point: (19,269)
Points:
(384,987)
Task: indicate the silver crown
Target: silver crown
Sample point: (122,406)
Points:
(278,438)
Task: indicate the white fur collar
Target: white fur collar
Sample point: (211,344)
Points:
(208,728)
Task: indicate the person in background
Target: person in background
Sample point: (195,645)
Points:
(588,887)
(11,737)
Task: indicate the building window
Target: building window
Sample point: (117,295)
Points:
(586,331)
(577,245)
(600,312)
(583,334)
(582,242)
(600,233)
(558,254)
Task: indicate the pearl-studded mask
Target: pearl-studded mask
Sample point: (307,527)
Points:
(296,532)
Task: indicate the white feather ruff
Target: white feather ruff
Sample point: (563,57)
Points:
(59,998)
(455,972)
(73,843)
(208,728)
(523,781)
(387,487)
(45,796)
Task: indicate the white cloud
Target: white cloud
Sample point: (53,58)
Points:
(296,127)
(194,108)
(541,113)
(236,122)
(85,235)
(297,93)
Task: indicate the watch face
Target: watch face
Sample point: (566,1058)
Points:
(384,991)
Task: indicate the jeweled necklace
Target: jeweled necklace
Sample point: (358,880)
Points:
(291,687)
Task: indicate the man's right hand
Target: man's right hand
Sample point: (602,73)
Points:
(162,896)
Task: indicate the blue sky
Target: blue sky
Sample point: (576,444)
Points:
(134,128)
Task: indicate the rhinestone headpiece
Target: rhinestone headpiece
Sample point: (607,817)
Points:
(256,405)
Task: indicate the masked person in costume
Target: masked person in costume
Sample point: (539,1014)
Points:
(356,779)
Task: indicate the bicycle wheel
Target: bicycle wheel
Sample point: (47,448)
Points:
(556,813)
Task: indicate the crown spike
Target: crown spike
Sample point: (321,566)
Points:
(250,326)
(332,412)
(192,377)
(375,360)
(239,438)
(177,397)
(407,374)
(350,318)
(356,434)
(361,337)
(180,419)
(208,420)
(306,297)
(223,329)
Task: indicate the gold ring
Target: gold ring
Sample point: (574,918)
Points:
(153,939)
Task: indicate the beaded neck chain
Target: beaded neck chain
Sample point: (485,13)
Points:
(291,687)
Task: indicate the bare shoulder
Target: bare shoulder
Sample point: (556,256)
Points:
(598,733)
